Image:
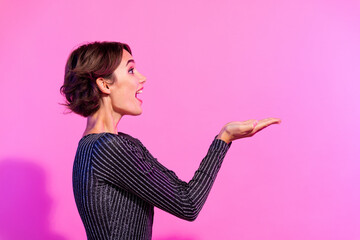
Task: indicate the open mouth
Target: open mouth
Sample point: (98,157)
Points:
(137,93)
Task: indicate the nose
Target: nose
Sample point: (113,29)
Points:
(142,78)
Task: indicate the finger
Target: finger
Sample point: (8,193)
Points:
(265,123)
(249,125)
(269,121)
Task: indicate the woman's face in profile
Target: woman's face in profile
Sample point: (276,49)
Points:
(127,86)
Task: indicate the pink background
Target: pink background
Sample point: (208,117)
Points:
(207,63)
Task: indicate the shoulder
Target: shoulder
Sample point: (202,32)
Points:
(120,141)
(109,139)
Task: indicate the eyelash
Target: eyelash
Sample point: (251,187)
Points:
(131,70)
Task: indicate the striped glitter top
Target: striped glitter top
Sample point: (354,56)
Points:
(117,183)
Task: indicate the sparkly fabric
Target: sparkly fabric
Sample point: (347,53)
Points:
(117,183)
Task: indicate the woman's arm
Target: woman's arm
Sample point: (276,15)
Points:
(123,163)
(120,162)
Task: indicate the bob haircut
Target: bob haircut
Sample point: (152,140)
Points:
(84,65)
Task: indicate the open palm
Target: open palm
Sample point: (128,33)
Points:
(236,130)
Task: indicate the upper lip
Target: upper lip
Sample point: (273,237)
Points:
(140,89)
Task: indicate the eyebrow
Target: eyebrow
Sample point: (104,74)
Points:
(131,60)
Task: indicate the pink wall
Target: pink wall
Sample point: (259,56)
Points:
(207,63)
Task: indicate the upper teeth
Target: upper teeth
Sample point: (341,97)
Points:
(140,91)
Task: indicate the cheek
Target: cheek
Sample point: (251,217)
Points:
(127,94)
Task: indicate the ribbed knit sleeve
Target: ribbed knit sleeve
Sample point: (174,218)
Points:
(127,164)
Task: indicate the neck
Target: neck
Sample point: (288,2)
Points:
(104,120)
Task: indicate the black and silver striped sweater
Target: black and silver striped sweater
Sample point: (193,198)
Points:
(117,183)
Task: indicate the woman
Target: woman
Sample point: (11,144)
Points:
(116,181)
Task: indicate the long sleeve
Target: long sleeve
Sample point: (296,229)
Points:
(127,164)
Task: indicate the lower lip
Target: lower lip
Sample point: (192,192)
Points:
(138,100)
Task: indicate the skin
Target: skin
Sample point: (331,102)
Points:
(119,99)
(236,130)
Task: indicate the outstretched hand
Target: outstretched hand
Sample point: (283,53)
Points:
(237,130)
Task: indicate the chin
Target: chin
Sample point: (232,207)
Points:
(130,112)
(135,113)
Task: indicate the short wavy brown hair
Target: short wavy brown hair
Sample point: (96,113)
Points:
(84,65)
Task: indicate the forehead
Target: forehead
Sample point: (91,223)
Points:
(126,56)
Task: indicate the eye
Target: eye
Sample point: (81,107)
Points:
(131,70)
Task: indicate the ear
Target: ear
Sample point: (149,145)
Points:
(103,85)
